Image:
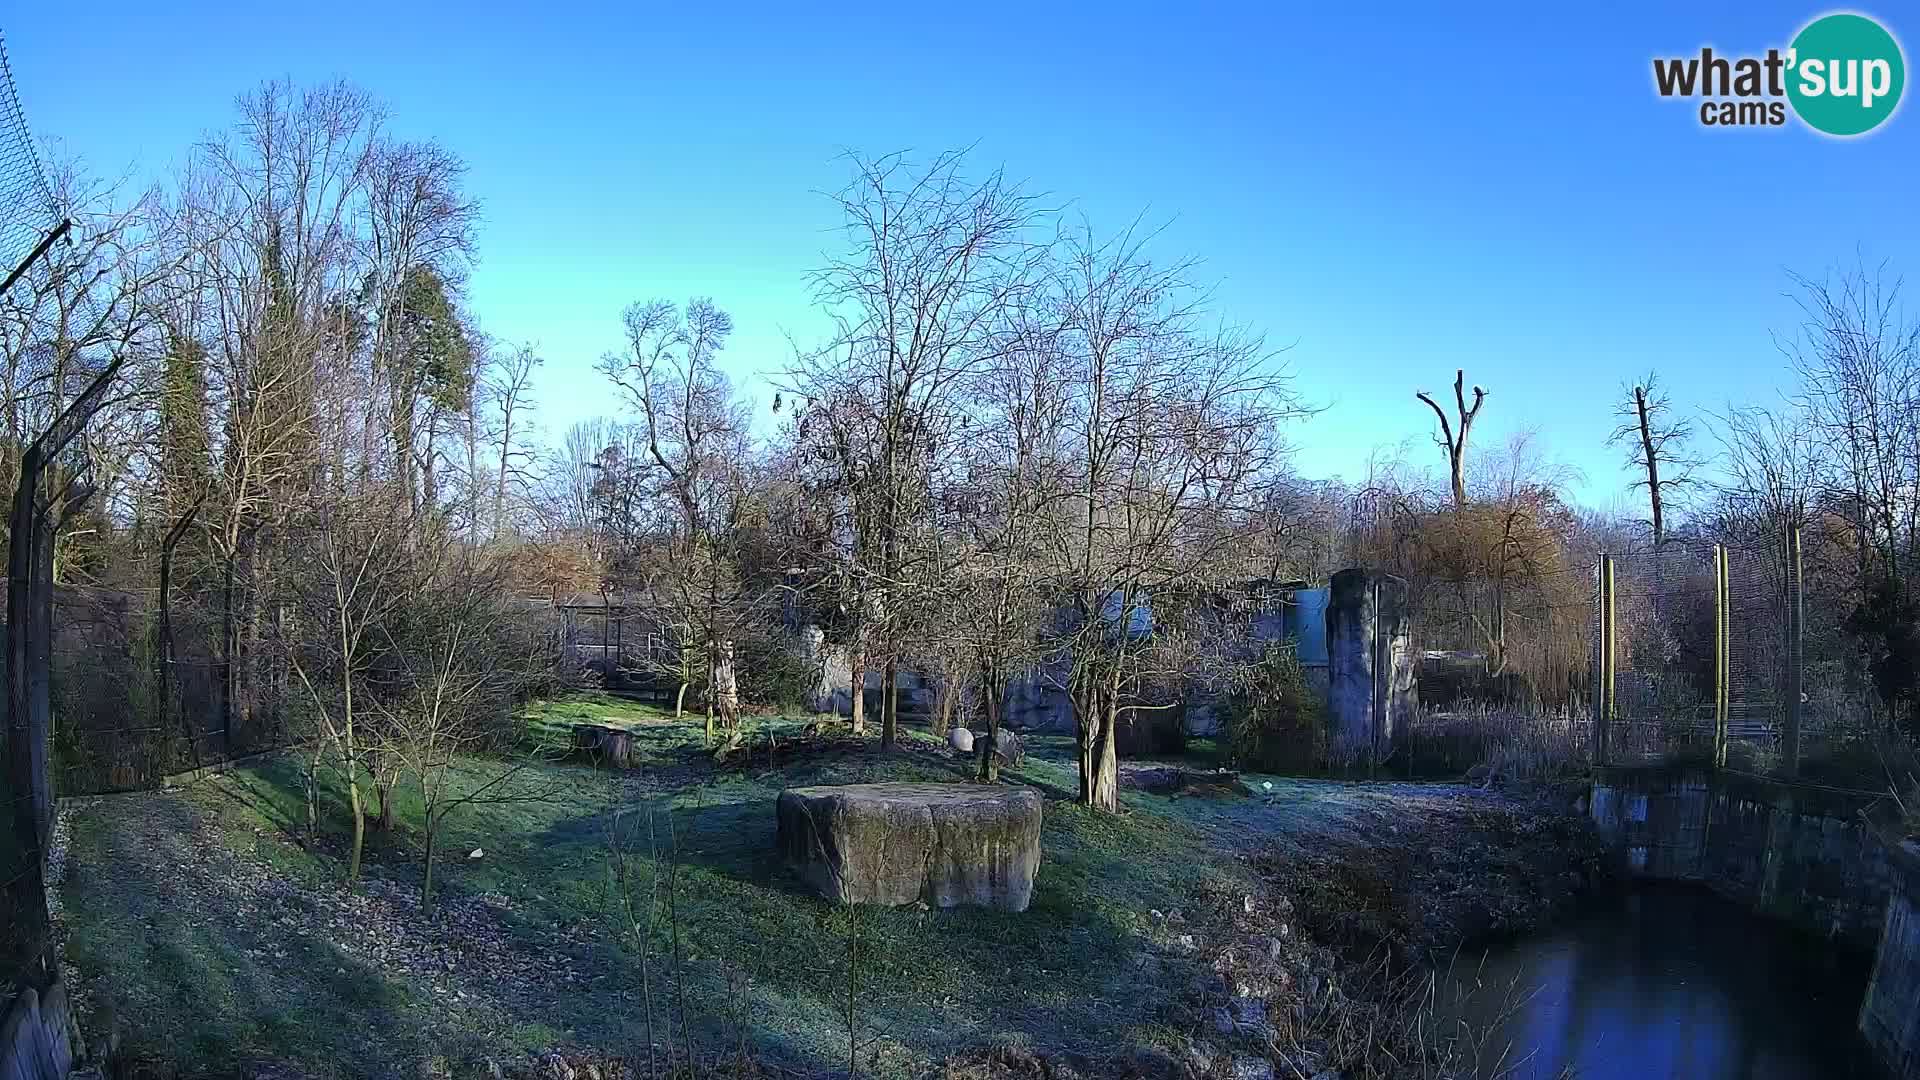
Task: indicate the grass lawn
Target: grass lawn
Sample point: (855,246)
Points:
(201,929)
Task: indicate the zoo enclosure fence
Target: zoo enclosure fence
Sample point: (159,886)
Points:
(1700,648)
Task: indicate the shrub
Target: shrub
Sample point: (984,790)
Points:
(772,672)
(1274,720)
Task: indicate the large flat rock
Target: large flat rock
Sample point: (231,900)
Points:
(893,844)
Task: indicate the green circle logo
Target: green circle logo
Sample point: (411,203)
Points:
(1845,74)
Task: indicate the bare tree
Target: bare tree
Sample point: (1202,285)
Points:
(1171,433)
(1000,590)
(265,222)
(459,658)
(934,260)
(508,388)
(1657,451)
(357,578)
(1453,444)
(1858,359)
(419,236)
(694,434)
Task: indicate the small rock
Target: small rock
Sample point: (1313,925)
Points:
(475,853)
(1246,904)
(961,740)
(1185,941)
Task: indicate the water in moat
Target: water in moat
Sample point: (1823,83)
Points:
(1671,982)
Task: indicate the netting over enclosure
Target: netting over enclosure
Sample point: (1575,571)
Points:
(1693,640)
(27,207)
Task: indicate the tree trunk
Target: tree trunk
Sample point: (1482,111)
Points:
(426,879)
(890,704)
(1653,466)
(990,705)
(857,680)
(1099,713)
(713,687)
(229,645)
(1106,774)
(383,796)
(401,430)
(943,713)
(726,688)
(1086,724)
(313,793)
(359,823)
(473,475)
(250,640)
(680,700)
(163,634)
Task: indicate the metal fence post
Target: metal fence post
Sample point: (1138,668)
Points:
(1603,678)
(1721,667)
(1796,654)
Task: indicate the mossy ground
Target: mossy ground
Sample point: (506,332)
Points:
(213,933)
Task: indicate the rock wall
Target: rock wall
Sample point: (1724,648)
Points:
(1794,852)
(1890,1015)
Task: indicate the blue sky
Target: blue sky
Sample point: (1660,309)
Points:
(1395,192)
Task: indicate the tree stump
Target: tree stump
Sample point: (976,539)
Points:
(897,843)
(602,743)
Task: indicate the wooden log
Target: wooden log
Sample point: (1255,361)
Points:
(601,743)
(617,745)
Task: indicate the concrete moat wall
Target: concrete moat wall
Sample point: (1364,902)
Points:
(1890,1015)
(1797,853)
(1802,854)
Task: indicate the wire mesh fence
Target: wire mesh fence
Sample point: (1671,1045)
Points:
(27,206)
(1729,650)
(1700,649)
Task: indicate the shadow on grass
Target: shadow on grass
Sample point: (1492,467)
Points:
(940,979)
(765,962)
(200,986)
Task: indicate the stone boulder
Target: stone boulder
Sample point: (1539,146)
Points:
(1008,747)
(898,843)
(961,739)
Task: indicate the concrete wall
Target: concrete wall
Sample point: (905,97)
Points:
(1793,852)
(1799,853)
(1370,677)
(1890,1015)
